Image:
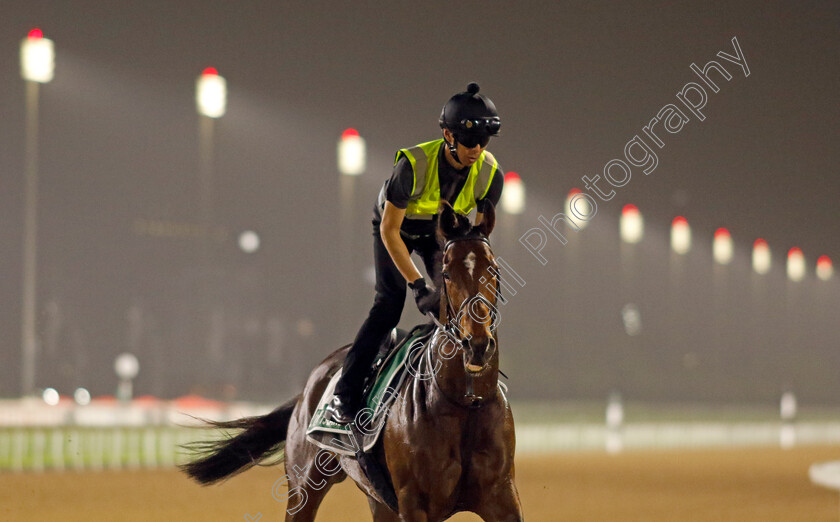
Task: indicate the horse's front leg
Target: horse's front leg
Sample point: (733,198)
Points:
(381,512)
(411,509)
(501,503)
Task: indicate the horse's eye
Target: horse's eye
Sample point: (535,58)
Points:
(445,275)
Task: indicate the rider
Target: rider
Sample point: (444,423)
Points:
(405,219)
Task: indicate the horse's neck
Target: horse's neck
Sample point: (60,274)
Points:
(452,380)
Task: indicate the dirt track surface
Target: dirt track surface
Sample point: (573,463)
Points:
(731,484)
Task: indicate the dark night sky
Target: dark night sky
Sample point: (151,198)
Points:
(573,81)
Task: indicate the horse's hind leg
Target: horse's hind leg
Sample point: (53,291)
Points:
(312,472)
(307,488)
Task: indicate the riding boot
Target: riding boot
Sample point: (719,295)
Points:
(340,411)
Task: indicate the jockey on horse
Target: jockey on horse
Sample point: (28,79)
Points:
(456,168)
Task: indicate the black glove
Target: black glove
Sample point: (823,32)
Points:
(426,297)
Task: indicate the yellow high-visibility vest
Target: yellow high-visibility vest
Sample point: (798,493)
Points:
(425,192)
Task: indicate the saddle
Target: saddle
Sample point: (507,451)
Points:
(386,350)
(386,378)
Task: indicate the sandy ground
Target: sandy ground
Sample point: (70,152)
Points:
(732,484)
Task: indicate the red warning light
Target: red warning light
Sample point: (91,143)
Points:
(210,71)
(512,176)
(721,233)
(824,269)
(759,243)
(679,220)
(795,251)
(349,133)
(629,209)
(36,34)
(573,192)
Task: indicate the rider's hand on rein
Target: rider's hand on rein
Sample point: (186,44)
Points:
(426,296)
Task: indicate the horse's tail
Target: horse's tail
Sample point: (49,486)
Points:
(262,436)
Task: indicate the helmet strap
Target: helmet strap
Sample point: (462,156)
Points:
(453,149)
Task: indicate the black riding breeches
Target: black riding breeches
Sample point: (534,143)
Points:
(385,313)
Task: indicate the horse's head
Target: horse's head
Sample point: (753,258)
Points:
(470,284)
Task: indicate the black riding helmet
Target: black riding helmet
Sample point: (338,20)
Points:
(471,117)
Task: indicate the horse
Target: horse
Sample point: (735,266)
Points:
(448,440)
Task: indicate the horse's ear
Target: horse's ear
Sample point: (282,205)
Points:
(488,221)
(447,222)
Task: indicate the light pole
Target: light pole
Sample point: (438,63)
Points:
(761,257)
(37,63)
(680,236)
(513,196)
(825,270)
(352,161)
(126,367)
(573,211)
(761,320)
(722,252)
(352,153)
(722,248)
(680,247)
(512,204)
(794,294)
(631,231)
(796,268)
(211,104)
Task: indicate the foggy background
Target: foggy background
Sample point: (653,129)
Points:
(120,264)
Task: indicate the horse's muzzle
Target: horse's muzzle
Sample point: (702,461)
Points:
(477,353)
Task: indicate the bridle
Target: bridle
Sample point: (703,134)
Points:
(448,314)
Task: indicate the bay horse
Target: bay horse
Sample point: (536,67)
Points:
(448,440)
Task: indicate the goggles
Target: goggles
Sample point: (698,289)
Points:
(471,140)
(472,132)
